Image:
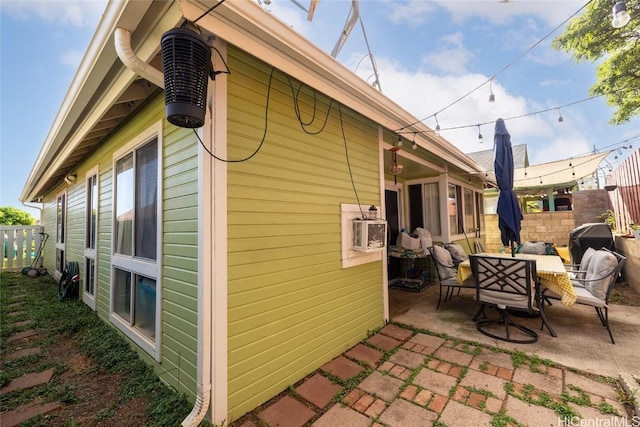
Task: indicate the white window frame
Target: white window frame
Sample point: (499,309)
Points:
(463,185)
(61,240)
(444,219)
(446,234)
(91,253)
(138,266)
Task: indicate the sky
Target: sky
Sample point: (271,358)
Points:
(428,54)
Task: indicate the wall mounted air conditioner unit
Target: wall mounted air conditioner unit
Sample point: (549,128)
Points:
(369,235)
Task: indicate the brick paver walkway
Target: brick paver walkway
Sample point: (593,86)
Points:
(408,378)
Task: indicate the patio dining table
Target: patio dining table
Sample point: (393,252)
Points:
(550,270)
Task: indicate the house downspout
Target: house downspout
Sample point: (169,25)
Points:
(203,397)
(132,61)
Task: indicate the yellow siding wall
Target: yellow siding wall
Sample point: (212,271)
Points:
(292,307)
(180,238)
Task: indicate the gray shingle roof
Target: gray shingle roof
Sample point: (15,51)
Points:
(485,158)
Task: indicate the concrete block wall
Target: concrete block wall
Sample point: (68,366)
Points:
(630,248)
(553,227)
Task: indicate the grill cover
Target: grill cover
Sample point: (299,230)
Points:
(593,235)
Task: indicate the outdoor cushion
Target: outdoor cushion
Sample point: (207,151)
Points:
(586,259)
(601,265)
(533,248)
(444,263)
(457,253)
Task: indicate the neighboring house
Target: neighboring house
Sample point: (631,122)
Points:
(235,279)
(486,157)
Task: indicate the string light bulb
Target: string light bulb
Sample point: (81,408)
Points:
(620,15)
(399,144)
(492,97)
(480,135)
(435,116)
(413,143)
(560,118)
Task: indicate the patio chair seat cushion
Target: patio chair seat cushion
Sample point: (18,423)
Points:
(444,263)
(504,299)
(584,297)
(457,253)
(601,265)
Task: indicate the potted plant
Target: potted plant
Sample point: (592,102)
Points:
(609,218)
(635,229)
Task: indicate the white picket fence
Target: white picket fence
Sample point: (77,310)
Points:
(20,245)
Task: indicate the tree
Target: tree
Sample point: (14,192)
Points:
(591,37)
(13,216)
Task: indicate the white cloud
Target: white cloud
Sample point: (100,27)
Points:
(77,13)
(414,13)
(72,58)
(451,56)
(496,12)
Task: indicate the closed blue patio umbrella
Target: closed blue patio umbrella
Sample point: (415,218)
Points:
(509,213)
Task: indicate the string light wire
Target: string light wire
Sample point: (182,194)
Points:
(503,69)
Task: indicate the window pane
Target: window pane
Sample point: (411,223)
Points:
(146,200)
(92,212)
(453,209)
(432,208)
(60,219)
(145,305)
(122,294)
(90,276)
(124,205)
(60,261)
(479,212)
(469,220)
(415,206)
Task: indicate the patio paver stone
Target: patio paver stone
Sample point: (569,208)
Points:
(396,332)
(286,412)
(404,414)
(429,341)
(587,384)
(384,386)
(384,342)
(434,381)
(28,381)
(342,368)
(548,383)
(457,414)
(24,352)
(407,358)
(27,411)
(482,381)
(318,390)
(341,416)
(452,355)
(531,415)
(365,354)
(22,335)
